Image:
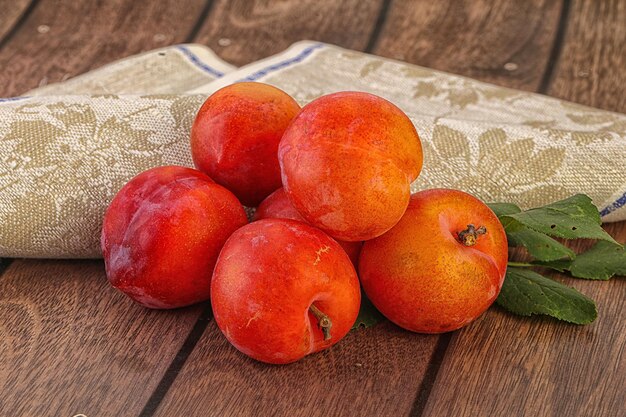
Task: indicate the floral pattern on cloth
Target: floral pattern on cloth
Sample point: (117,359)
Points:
(63,162)
(66,150)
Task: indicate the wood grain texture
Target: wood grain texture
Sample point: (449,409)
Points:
(373,371)
(12,11)
(508,365)
(591,70)
(63,38)
(505,42)
(243,31)
(70,344)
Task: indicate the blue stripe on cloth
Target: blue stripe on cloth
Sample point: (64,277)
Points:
(620,202)
(306,52)
(5,100)
(195,60)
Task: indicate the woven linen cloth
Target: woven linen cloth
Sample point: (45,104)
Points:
(171,70)
(63,158)
(67,148)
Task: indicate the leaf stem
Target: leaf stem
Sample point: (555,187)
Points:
(521,264)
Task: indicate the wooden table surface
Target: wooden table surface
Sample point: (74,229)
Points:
(70,344)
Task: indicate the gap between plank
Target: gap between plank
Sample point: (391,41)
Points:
(557,46)
(4,264)
(19,23)
(201,18)
(378,27)
(431,374)
(177,363)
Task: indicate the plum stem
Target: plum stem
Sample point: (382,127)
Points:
(323,321)
(469,236)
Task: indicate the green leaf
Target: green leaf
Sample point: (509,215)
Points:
(526,293)
(601,262)
(573,218)
(539,245)
(368,314)
(502,209)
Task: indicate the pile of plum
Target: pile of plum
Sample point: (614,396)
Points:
(332,184)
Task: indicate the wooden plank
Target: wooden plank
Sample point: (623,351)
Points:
(506,365)
(503,42)
(244,31)
(371,372)
(62,38)
(12,12)
(592,70)
(70,343)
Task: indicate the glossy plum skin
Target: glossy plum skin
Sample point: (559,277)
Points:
(347,162)
(235,136)
(162,234)
(422,277)
(268,275)
(278,206)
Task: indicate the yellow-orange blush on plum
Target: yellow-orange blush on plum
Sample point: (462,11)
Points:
(440,267)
